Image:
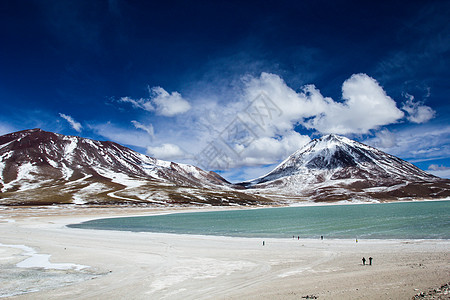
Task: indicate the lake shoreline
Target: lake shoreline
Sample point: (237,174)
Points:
(157,265)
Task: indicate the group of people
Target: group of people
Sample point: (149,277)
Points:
(298,237)
(364,261)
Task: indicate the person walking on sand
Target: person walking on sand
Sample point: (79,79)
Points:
(370,260)
(364,261)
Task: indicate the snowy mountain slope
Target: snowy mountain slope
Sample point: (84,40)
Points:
(41,167)
(337,168)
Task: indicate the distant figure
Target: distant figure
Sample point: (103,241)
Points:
(356,240)
(298,238)
(370,260)
(321,237)
(364,261)
(264,243)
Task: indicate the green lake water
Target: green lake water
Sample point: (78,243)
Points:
(407,220)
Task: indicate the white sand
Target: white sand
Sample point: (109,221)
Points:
(126,265)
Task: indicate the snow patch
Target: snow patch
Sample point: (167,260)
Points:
(52,163)
(66,171)
(2,167)
(6,155)
(120,178)
(37,260)
(26,180)
(88,191)
(6,145)
(162,163)
(385,188)
(79,180)
(70,148)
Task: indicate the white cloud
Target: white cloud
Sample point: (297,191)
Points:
(366,105)
(74,124)
(439,170)
(167,104)
(161,102)
(147,128)
(141,103)
(166,152)
(417,112)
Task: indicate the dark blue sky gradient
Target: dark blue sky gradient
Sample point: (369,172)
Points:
(80,57)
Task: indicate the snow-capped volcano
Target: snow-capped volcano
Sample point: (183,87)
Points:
(335,168)
(45,167)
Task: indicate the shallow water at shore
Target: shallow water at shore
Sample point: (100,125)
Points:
(407,220)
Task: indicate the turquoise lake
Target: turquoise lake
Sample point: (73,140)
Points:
(407,220)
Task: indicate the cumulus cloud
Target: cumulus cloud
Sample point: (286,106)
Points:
(161,102)
(147,128)
(366,105)
(417,112)
(169,104)
(166,152)
(74,124)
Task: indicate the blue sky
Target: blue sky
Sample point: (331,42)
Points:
(231,86)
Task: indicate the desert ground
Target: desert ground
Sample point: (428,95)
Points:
(41,258)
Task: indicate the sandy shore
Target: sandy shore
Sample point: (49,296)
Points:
(88,264)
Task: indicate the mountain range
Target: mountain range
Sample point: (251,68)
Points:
(43,168)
